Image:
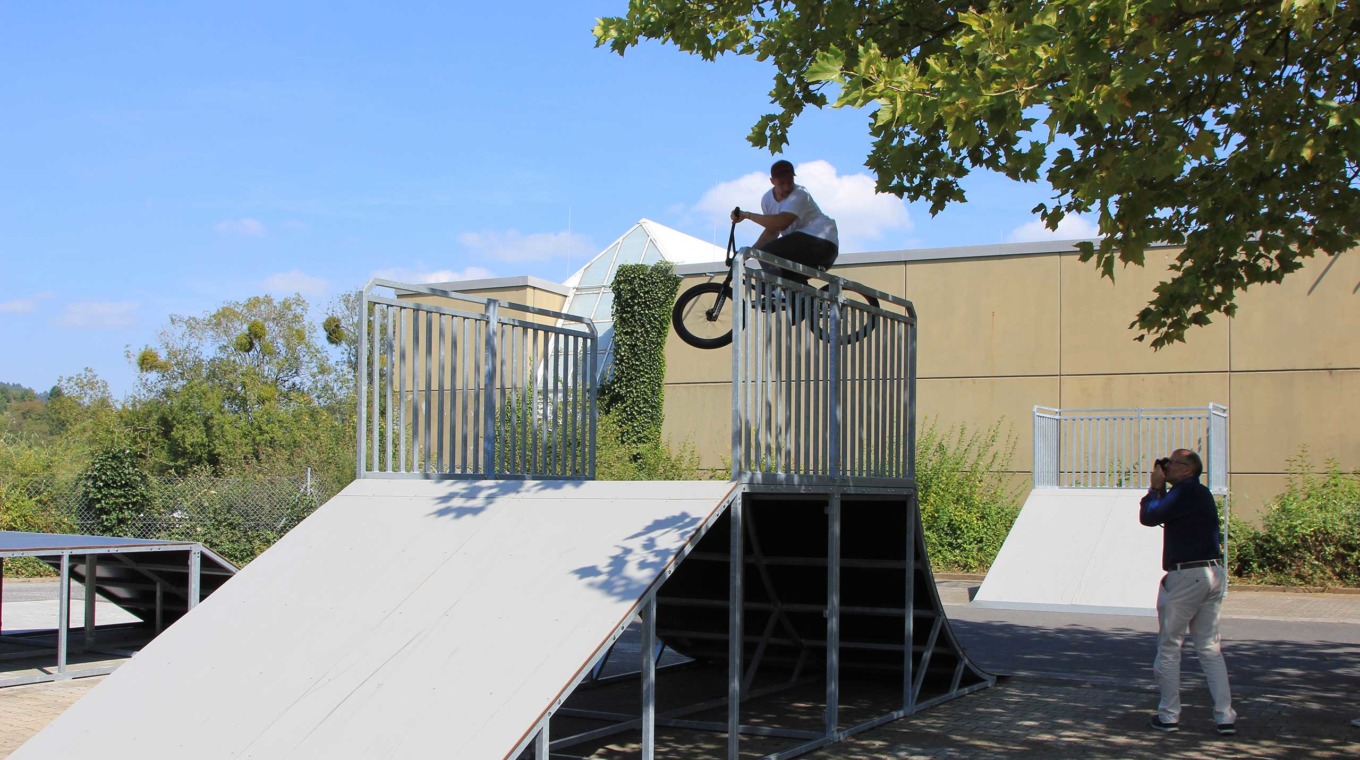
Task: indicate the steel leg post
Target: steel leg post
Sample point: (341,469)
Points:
(649,680)
(736,567)
(541,743)
(195,579)
(91,570)
(63,611)
(833,613)
(908,674)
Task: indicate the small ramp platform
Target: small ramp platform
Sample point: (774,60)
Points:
(156,581)
(404,619)
(1077,550)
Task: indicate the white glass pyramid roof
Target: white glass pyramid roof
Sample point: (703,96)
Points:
(646,243)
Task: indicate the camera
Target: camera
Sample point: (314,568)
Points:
(1162,463)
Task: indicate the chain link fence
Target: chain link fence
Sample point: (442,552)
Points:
(236,517)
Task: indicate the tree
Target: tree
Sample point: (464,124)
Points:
(341,327)
(1231,128)
(248,386)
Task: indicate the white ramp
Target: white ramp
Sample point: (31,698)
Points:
(405,619)
(1077,550)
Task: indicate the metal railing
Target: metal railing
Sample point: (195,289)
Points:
(823,383)
(459,386)
(1115,448)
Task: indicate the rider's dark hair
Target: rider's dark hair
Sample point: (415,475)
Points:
(780,168)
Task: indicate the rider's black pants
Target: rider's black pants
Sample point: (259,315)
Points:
(802,248)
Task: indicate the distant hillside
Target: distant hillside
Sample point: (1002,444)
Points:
(14,392)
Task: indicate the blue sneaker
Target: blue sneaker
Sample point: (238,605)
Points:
(1162,725)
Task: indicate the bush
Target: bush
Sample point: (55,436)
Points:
(26,502)
(117,489)
(615,460)
(968,502)
(229,515)
(1310,535)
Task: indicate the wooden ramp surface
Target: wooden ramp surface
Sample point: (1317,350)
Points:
(1077,550)
(404,619)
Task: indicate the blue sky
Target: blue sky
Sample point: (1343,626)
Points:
(162,158)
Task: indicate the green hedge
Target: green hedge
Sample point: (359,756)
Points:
(968,499)
(1310,535)
(635,393)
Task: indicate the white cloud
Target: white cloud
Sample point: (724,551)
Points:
(287,283)
(865,218)
(515,247)
(1072,227)
(420,276)
(100,315)
(24,305)
(243,227)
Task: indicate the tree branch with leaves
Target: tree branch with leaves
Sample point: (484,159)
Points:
(1229,128)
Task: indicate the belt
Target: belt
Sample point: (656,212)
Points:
(1197,563)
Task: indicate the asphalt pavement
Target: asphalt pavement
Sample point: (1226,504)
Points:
(1071,685)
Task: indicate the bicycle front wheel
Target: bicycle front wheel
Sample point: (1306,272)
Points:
(855,324)
(702,315)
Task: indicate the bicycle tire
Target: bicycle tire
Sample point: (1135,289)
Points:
(692,319)
(822,326)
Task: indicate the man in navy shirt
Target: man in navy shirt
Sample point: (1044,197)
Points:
(1192,590)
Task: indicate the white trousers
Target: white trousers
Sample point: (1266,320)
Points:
(1189,602)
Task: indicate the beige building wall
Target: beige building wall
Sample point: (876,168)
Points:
(1005,328)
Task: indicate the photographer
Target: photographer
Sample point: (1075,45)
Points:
(1192,590)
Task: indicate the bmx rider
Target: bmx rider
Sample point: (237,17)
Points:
(794,227)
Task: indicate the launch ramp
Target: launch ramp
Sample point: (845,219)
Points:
(405,619)
(1077,550)
(1077,545)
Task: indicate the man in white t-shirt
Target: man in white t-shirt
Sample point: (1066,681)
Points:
(795,228)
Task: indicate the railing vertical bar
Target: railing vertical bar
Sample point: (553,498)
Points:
(468,403)
(392,412)
(402,335)
(440,423)
(515,403)
(545,413)
(544,372)
(791,328)
(836,466)
(375,357)
(577,374)
(423,417)
(738,340)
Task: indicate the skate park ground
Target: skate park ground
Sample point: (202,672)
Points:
(1072,685)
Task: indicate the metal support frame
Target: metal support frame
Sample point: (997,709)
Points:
(747,559)
(91,559)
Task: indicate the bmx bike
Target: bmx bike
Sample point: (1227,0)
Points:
(702,316)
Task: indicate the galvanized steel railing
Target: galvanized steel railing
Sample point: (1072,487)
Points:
(823,383)
(502,391)
(1115,448)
